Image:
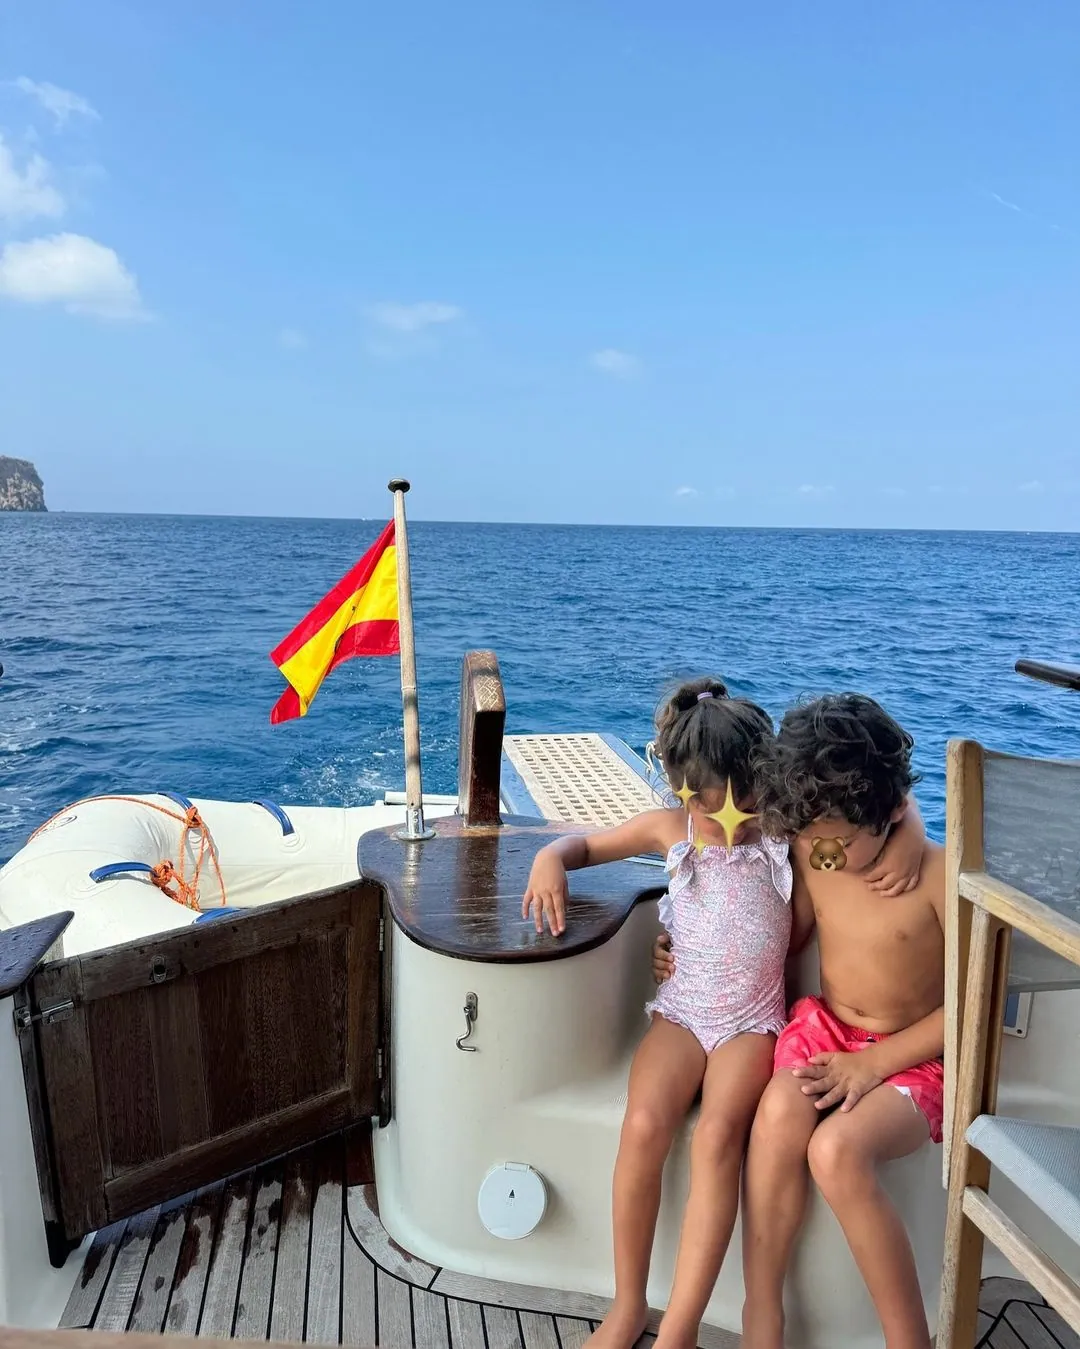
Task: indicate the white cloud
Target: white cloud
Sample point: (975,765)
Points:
(618,364)
(1033,486)
(413,318)
(62,103)
(894,491)
(809,489)
(292,339)
(28,192)
(1022,210)
(686,491)
(70,269)
(1009,205)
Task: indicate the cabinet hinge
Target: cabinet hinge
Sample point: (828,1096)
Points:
(57,1011)
(382,935)
(379,1064)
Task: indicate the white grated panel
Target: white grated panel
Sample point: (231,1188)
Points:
(579,778)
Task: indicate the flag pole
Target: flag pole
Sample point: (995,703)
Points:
(414,788)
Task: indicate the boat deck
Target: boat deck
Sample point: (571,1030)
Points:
(294,1250)
(584,779)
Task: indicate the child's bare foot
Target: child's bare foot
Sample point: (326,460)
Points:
(623,1326)
(684,1337)
(762,1327)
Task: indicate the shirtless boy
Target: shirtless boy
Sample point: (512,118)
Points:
(858,1078)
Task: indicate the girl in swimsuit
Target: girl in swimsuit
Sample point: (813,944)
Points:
(713,1027)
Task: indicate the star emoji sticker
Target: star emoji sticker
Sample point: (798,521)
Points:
(729,816)
(684,794)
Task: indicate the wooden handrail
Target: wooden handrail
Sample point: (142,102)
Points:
(1042,922)
(483,718)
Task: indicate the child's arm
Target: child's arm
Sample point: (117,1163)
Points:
(900,863)
(925,1040)
(802,927)
(546,893)
(803,919)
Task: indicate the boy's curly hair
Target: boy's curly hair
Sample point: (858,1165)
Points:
(842,756)
(704,736)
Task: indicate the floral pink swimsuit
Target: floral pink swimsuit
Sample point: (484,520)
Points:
(729,917)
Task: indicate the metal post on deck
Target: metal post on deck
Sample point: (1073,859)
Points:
(414,829)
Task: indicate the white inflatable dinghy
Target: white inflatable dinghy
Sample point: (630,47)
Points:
(132,866)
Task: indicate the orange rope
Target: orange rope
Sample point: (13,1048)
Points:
(168,878)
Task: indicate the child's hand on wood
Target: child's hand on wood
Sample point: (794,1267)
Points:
(663,962)
(834,1078)
(547,893)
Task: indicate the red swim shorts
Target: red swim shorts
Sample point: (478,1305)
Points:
(815,1029)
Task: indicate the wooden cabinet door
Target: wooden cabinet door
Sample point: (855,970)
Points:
(169,1063)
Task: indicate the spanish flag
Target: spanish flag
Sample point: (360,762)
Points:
(359,617)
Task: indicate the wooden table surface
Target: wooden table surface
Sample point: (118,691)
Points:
(460,893)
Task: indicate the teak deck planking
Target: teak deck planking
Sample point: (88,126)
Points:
(294,1252)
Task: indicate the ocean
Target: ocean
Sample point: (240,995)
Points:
(135,648)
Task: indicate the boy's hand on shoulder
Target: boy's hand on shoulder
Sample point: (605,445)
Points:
(663,961)
(898,869)
(890,882)
(837,1078)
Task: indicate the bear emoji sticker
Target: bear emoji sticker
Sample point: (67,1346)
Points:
(828,854)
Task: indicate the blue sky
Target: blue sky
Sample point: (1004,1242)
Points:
(584,260)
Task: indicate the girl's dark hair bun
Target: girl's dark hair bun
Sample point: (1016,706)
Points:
(703,735)
(687,696)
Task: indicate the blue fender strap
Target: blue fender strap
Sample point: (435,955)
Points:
(117,869)
(177,799)
(279,815)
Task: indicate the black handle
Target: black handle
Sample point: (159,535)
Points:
(1064,676)
(398,484)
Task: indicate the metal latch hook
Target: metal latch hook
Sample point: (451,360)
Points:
(470,1010)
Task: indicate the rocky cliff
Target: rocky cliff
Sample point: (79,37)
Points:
(20,487)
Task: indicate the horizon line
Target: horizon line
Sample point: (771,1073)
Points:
(555,524)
